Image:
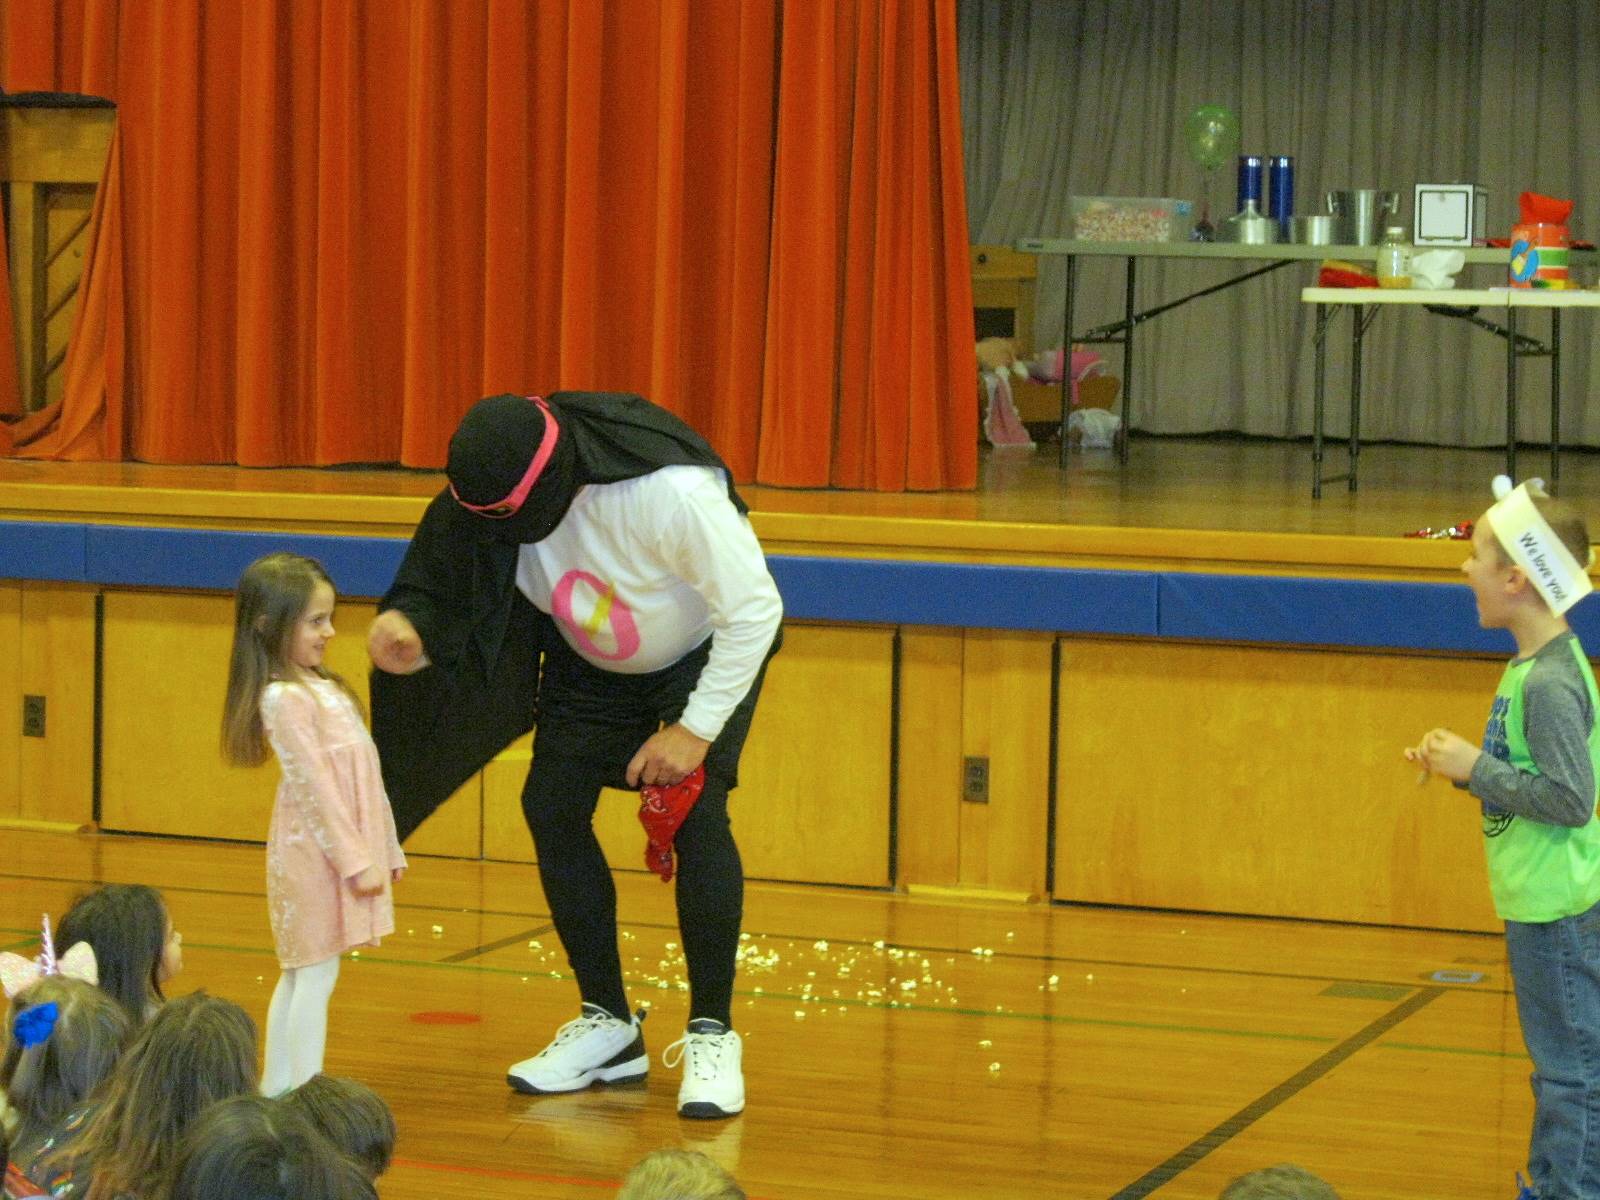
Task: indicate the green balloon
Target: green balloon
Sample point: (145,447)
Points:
(1211,135)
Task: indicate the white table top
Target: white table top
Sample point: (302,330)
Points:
(1459,297)
(1280,251)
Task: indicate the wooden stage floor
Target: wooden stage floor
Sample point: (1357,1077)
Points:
(1223,499)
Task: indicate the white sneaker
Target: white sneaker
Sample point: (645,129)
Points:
(593,1048)
(713,1080)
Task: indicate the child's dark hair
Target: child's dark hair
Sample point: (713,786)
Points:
(271,597)
(47,1080)
(253,1148)
(350,1115)
(126,925)
(195,1051)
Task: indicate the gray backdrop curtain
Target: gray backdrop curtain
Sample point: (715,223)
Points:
(1089,97)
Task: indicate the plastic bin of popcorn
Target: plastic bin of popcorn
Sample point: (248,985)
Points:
(1131,219)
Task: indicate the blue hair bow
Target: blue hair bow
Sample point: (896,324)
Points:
(35,1023)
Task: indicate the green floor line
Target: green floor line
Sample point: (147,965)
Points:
(1424,1048)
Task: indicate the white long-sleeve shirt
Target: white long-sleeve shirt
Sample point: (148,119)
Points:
(639,573)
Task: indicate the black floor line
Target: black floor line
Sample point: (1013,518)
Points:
(501,944)
(1262,1105)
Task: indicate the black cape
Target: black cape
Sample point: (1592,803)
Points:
(435,729)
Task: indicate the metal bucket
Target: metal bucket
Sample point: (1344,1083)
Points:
(1359,213)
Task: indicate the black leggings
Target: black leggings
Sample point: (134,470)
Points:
(592,723)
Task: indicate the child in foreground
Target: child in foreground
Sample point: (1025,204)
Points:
(1534,778)
(332,854)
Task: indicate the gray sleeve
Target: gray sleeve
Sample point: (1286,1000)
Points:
(1556,719)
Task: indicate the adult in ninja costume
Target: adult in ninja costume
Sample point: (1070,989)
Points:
(590,565)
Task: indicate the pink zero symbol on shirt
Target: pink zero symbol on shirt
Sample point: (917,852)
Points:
(607,608)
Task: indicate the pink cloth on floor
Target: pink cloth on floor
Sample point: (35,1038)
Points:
(1002,424)
(330,821)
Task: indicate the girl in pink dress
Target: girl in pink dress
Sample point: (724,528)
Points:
(332,853)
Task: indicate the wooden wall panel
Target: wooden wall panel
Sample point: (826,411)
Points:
(929,838)
(812,803)
(55,659)
(1267,780)
(10,702)
(165,673)
(1005,707)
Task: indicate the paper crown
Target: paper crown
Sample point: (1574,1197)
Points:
(1527,538)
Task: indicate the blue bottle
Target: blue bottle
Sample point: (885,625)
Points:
(1250,172)
(1280,191)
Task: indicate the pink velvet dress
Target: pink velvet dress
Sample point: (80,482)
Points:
(331,820)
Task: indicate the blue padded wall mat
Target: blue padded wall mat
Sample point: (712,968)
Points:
(1339,612)
(42,550)
(1289,610)
(976,595)
(141,556)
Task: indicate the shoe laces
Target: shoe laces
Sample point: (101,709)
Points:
(704,1053)
(578,1027)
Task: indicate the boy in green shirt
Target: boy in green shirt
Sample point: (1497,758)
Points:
(1535,779)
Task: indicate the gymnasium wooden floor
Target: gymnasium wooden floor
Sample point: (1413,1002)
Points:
(905,1047)
(895,1047)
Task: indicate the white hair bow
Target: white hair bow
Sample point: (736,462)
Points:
(18,973)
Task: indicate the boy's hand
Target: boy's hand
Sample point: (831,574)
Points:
(1413,754)
(1445,753)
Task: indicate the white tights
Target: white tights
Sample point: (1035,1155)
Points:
(297,1025)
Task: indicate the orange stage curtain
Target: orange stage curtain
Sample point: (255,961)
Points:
(332,224)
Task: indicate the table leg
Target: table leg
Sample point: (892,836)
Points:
(1358,330)
(1066,354)
(1511,393)
(1555,398)
(1319,375)
(1127,356)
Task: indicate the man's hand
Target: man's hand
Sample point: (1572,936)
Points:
(394,644)
(667,757)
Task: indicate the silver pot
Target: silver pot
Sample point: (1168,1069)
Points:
(1315,230)
(1359,213)
(1248,228)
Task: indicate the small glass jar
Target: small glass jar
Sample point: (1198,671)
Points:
(1394,258)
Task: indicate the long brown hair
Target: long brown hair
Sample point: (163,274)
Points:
(271,597)
(195,1051)
(126,926)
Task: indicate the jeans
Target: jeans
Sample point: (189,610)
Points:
(1555,969)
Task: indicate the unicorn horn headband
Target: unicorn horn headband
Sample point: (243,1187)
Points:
(1527,538)
(18,973)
